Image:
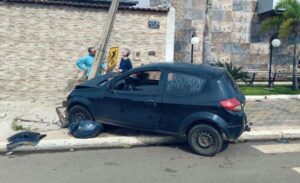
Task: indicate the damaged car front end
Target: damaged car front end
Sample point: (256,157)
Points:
(62,111)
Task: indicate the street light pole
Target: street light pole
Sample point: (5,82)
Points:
(274,42)
(194,40)
(192,54)
(270,64)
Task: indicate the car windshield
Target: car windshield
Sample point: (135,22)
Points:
(107,77)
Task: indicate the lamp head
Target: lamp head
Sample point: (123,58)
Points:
(276,43)
(195,40)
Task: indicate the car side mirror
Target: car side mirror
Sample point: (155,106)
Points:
(109,89)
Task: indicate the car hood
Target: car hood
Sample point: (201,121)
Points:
(93,82)
(96,81)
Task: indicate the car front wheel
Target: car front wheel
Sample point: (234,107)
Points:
(205,140)
(78,113)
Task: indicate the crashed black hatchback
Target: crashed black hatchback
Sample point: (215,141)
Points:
(200,103)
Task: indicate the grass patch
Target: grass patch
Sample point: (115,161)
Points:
(17,127)
(264,90)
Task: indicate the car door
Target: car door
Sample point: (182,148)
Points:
(134,100)
(180,99)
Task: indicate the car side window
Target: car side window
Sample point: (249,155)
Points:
(146,82)
(181,84)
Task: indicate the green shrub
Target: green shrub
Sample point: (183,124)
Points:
(234,71)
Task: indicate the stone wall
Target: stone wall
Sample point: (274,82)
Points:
(235,35)
(39,44)
(189,17)
(231,32)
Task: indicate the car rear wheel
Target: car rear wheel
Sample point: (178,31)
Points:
(205,140)
(78,113)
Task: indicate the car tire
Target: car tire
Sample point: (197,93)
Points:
(205,140)
(224,146)
(78,113)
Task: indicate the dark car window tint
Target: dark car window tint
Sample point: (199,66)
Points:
(231,81)
(180,84)
(142,82)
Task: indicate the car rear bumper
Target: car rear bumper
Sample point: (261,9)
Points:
(233,132)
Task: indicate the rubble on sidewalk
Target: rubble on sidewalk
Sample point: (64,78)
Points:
(3,115)
(85,129)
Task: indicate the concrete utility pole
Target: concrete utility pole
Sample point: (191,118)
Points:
(100,53)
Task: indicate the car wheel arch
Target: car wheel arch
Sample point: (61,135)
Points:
(204,122)
(203,118)
(78,101)
(81,104)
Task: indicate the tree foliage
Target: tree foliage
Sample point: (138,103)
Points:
(234,71)
(290,17)
(271,23)
(286,25)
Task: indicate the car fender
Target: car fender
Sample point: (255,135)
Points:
(84,102)
(203,116)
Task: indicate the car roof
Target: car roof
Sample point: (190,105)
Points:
(186,67)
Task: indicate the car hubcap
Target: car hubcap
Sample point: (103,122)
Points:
(205,140)
(80,116)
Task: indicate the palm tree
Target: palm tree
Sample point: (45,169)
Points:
(234,71)
(286,24)
(206,51)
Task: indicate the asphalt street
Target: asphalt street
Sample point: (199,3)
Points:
(263,162)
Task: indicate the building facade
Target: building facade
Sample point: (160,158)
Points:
(41,40)
(235,34)
(40,43)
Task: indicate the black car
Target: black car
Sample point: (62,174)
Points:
(201,103)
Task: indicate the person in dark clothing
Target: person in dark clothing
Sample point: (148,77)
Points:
(125,63)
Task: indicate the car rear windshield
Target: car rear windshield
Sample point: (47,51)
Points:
(230,82)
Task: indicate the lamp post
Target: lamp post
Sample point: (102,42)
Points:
(274,42)
(194,40)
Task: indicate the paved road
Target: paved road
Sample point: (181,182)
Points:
(247,163)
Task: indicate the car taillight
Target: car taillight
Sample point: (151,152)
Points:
(231,104)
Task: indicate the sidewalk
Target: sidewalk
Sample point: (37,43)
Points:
(272,119)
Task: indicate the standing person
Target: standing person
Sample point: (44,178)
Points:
(125,63)
(85,63)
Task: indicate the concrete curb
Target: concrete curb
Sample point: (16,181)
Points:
(289,134)
(99,142)
(262,97)
(125,141)
(261,135)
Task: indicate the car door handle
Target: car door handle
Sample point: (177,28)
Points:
(113,92)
